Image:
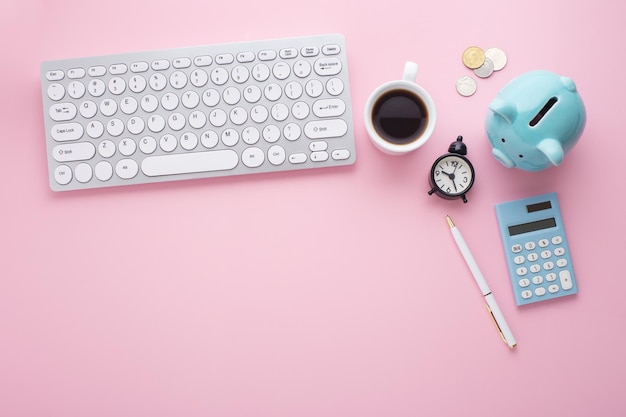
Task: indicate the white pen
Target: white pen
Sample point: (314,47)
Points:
(492,306)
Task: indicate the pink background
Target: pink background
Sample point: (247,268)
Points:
(326,293)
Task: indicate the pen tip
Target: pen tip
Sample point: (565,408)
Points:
(450,222)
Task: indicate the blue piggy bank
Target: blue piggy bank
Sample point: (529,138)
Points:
(535,120)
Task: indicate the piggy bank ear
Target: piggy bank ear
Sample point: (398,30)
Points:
(506,110)
(552,149)
(501,156)
(569,83)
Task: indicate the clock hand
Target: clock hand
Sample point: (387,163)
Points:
(449,174)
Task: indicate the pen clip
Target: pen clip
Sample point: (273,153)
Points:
(497,324)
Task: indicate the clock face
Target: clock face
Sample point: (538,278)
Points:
(452,175)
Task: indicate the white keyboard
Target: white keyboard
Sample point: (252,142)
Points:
(207,111)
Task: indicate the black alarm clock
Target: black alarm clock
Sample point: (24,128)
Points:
(452,175)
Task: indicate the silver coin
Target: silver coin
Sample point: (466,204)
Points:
(485,70)
(466,86)
(498,57)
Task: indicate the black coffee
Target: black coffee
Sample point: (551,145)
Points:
(399,116)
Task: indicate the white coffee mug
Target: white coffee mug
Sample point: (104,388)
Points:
(400,116)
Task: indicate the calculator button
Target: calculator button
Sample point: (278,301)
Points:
(566,280)
(551,277)
(561,263)
(521,271)
(540,291)
(557,240)
(548,265)
(546,254)
(537,279)
(534,268)
(559,251)
(543,243)
(524,282)
(532,257)
(529,245)
(518,260)
(553,288)
(527,294)
(517,248)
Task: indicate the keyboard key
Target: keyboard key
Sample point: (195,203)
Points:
(276,154)
(267,55)
(247,56)
(62,112)
(83,173)
(56,91)
(331,49)
(309,51)
(97,71)
(63,174)
(327,66)
(65,132)
(329,107)
(320,156)
(80,151)
(176,164)
(297,158)
(126,169)
(76,89)
(252,157)
(182,63)
(118,69)
(160,64)
(333,128)
(224,59)
(104,171)
(288,53)
(203,61)
(340,154)
(139,66)
(55,75)
(76,73)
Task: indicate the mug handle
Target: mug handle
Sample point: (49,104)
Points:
(410,72)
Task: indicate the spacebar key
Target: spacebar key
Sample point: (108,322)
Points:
(189,163)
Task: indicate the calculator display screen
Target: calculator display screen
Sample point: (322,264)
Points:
(518,229)
(545,205)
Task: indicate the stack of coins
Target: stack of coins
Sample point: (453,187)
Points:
(482,63)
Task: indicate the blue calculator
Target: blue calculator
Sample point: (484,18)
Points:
(535,244)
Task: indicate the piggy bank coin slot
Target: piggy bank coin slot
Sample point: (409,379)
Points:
(544,110)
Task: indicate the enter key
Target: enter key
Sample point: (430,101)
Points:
(331,107)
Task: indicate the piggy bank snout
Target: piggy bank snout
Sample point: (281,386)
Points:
(503,158)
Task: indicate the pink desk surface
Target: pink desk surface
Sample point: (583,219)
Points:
(327,293)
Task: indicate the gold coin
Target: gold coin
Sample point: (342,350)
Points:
(473,57)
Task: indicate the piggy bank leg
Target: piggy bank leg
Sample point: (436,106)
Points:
(552,149)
